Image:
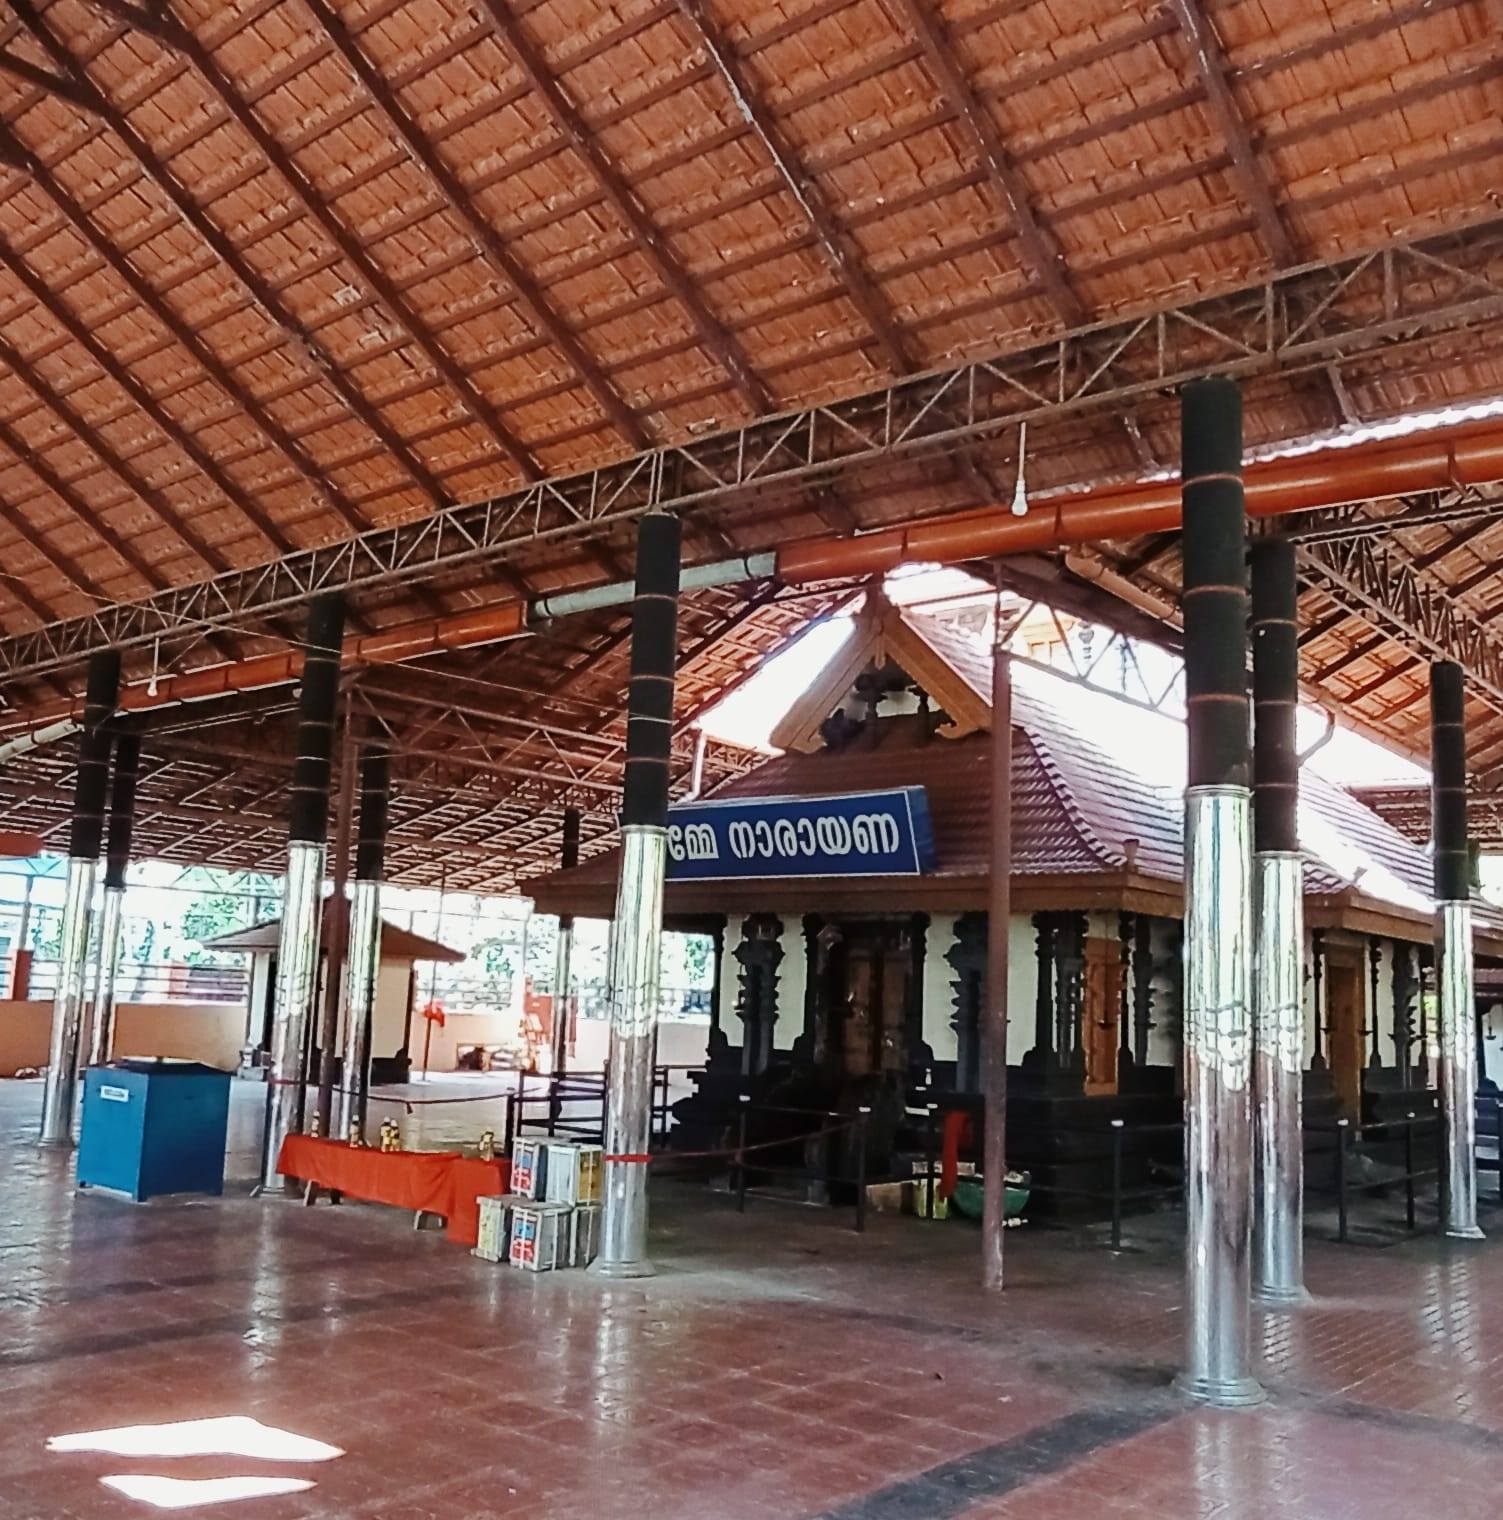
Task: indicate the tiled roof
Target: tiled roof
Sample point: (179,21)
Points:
(1080,809)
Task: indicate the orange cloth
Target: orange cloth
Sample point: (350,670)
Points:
(439,1182)
(957,1134)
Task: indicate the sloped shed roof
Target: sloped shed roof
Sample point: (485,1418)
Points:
(397,943)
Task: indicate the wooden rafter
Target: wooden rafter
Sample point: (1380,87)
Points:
(1042,255)
(1205,48)
(723,346)
(20,157)
(80,332)
(838,246)
(491,244)
(260,290)
(167,30)
(121,468)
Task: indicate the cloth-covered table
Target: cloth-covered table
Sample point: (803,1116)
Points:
(433,1182)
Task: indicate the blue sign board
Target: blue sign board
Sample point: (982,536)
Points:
(853,834)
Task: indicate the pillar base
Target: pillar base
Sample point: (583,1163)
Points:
(1229,1393)
(1466,1232)
(622,1271)
(65,1143)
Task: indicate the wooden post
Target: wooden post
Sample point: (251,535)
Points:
(999,922)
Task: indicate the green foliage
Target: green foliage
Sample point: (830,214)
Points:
(204,918)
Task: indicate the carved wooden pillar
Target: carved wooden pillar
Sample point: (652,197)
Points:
(1142,992)
(1125,925)
(1405,985)
(967,958)
(759,955)
(1043,1008)
(1317,977)
(1374,967)
(920,1054)
(1069,996)
(1426,982)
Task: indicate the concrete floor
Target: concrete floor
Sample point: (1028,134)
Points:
(779,1365)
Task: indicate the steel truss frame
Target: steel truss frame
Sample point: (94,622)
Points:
(1296,319)
(1384,588)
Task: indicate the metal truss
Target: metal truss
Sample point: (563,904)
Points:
(1420,509)
(1382,586)
(1297,319)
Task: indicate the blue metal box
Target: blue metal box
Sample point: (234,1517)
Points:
(154,1127)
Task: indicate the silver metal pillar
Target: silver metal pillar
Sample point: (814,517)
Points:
(1218,1098)
(361,968)
(102,1042)
(563,954)
(1458,1069)
(61,1087)
(297,983)
(636,946)
(1279,1027)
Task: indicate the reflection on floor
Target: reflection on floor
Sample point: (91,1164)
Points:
(780,1366)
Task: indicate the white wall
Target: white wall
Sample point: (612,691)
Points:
(939,1004)
(389,1019)
(1492,1043)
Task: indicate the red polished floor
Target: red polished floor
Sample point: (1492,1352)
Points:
(779,1365)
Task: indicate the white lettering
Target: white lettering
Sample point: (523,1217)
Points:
(675,842)
(875,833)
(834,835)
(739,837)
(700,842)
(762,830)
(805,828)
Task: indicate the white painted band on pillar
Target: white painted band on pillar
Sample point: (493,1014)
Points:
(1218,1097)
(1458,1069)
(362,966)
(297,983)
(102,1040)
(636,948)
(1278,1075)
(61,1086)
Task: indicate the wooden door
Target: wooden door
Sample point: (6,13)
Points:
(1344,1033)
(878,966)
(1100,1014)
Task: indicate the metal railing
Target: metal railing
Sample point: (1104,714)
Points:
(826,1174)
(156,982)
(572,1103)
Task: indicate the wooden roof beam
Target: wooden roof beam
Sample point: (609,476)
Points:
(45,80)
(262,294)
(167,30)
(83,335)
(31,459)
(20,157)
(1205,48)
(716,338)
(492,246)
(115,463)
(1041,252)
(839,247)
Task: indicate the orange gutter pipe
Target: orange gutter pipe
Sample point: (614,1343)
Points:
(388,646)
(1470,454)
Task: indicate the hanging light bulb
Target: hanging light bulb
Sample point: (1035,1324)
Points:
(1019,491)
(156,655)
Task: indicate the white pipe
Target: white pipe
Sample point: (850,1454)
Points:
(37,737)
(720,572)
